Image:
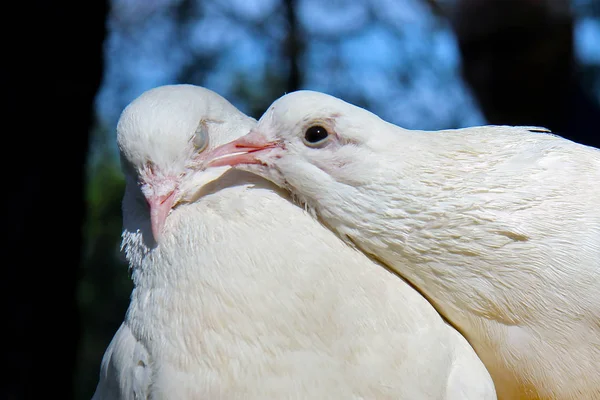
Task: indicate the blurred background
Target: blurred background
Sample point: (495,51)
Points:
(421,64)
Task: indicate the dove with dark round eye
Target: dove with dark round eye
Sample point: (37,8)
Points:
(498,226)
(316,136)
(200,138)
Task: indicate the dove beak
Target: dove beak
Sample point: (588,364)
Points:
(249,149)
(160,206)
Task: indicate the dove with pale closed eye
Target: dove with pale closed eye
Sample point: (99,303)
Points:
(240,294)
(498,226)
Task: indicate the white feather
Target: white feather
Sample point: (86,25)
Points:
(498,226)
(248,297)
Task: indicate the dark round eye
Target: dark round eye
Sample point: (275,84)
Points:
(316,135)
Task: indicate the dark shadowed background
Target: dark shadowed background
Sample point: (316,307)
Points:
(70,68)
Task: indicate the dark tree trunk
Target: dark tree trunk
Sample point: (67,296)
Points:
(518,59)
(293,46)
(52,67)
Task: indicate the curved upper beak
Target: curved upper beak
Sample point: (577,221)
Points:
(160,207)
(249,149)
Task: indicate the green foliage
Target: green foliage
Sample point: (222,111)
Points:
(105,286)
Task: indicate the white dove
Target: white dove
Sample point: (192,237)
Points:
(245,295)
(499,227)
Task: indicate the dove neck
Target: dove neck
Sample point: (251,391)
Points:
(428,234)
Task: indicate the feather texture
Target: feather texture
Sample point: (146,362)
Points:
(247,296)
(498,226)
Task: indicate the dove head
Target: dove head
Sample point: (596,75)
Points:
(159,135)
(309,139)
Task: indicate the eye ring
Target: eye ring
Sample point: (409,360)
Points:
(316,136)
(200,138)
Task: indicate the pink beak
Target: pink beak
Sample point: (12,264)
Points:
(245,150)
(160,206)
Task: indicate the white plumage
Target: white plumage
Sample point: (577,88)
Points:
(245,295)
(498,226)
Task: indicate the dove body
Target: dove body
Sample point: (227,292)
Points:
(245,295)
(498,226)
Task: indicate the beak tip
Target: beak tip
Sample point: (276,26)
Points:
(156,231)
(244,150)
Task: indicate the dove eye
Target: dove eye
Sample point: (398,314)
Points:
(315,136)
(200,138)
